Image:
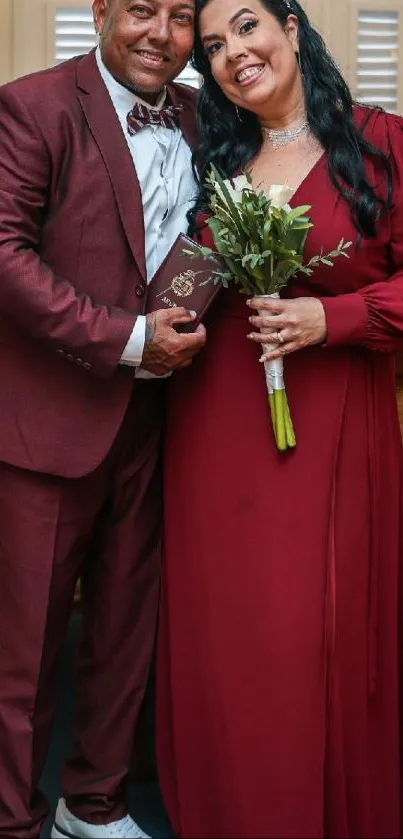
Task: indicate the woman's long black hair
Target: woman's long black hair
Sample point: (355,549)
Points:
(230,143)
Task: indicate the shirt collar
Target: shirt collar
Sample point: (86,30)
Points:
(122,97)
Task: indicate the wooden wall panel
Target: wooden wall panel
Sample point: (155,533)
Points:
(6,30)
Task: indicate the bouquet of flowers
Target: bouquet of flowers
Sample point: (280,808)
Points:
(261,240)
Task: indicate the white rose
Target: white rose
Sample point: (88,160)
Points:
(279,195)
(235,188)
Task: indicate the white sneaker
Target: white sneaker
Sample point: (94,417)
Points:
(67,826)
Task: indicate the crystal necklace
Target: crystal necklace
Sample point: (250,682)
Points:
(281,137)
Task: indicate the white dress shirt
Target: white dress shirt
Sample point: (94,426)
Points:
(162,159)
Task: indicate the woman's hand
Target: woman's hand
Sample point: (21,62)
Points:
(293,324)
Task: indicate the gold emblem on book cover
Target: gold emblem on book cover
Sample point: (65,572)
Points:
(183,285)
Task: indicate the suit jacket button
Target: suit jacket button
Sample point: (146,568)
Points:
(61,352)
(70,357)
(87,365)
(79,361)
(140,290)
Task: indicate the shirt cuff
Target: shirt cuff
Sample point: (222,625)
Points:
(133,351)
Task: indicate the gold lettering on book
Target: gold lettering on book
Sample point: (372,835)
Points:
(167,301)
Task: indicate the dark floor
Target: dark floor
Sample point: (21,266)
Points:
(146,804)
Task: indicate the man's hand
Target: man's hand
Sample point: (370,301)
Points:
(164,348)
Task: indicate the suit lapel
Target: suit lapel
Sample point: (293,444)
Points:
(106,130)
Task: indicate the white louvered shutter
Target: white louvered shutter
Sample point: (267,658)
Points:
(74,32)
(377,65)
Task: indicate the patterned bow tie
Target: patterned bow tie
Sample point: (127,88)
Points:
(140,115)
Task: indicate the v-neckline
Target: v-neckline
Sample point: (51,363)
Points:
(311,171)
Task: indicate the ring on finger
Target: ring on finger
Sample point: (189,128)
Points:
(280,338)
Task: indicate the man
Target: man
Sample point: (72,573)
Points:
(92,195)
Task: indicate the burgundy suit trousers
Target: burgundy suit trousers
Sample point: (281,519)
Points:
(106,527)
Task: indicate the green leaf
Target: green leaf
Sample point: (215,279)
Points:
(295,240)
(251,259)
(266,239)
(298,212)
(232,207)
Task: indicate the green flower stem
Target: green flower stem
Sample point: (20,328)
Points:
(279,409)
(273,412)
(281,420)
(289,430)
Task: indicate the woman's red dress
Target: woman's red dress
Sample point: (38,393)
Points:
(278,653)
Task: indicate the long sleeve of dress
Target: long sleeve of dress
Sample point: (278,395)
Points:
(373,316)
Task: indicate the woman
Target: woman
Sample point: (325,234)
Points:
(278,702)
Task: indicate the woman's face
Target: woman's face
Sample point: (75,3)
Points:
(252,57)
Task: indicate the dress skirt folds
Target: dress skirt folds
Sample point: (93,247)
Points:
(278,651)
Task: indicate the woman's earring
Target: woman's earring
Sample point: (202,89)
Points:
(238,114)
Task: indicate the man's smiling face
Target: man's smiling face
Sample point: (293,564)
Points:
(145,44)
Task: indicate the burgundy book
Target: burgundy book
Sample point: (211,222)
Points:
(187,281)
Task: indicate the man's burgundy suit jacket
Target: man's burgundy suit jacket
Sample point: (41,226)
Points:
(72,266)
